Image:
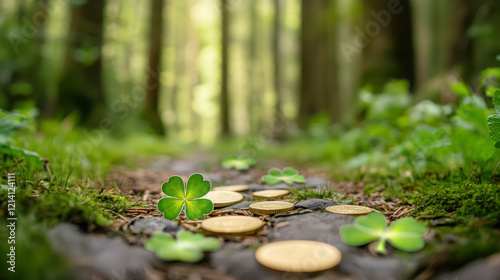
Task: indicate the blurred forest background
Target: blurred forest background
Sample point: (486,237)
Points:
(194,70)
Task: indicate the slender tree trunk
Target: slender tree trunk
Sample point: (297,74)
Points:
(81,89)
(224,94)
(251,71)
(317,74)
(279,133)
(154,67)
(389,53)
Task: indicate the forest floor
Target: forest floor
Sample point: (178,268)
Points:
(116,251)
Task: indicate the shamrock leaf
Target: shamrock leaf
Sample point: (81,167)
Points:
(239,163)
(404,234)
(187,197)
(188,247)
(288,175)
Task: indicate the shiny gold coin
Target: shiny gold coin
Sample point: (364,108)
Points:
(234,225)
(271,207)
(224,198)
(349,209)
(298,256)
(270,194)
(234,188)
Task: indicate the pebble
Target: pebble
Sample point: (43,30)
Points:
(150,225)
(315,204)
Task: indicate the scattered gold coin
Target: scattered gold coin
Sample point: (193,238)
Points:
(349,209)
(235,225)
(298,256)
(271,207)
(234,188)
(270,194)
(224,198)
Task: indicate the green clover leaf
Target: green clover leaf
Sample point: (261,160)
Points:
(404,234)
(239,163)
(187,197)
(188,247)
(288,175)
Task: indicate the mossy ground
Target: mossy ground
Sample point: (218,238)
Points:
(449,202)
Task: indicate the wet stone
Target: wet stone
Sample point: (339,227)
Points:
(484,269)
(241,205)
(315,204)
(99,256)
(240,179)
(347,202)
(322,227)
(373,268)
(237,260)
(150,225)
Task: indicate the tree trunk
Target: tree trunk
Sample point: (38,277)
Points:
(279,132)
(317,73)
(251,70)
(81,90)
(389,54)
(154,67)
(224,94)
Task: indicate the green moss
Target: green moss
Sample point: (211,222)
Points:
(319,192)
(464,200)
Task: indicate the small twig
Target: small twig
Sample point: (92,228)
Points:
(125,226)
(405,212)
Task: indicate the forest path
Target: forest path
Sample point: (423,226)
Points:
(119,254)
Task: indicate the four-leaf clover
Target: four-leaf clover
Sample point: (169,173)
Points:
(187,197)
(288,175)
(404,234)
(189,246)
(238,163)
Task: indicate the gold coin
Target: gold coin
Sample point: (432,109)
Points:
(349,209)
(235,188)
(298,256)
(271,207)
(235,225)
(224,198)
(270,194)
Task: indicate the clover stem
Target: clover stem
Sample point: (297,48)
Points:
(380,247)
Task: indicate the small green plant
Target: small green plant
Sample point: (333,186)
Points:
(494,120)
(404,234)
(319,192)
(288,175)
(240,163)
(187,197)
(10,122)
(188,247)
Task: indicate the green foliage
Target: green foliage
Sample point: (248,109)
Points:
(319,192)
(494,120)
(460,89)
(490,80)
(188,198)
(463,201)
(288,175)
(10,122)
(404,234)
(239,163)
(188,247)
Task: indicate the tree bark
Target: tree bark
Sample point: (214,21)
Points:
(317,73)
(224,94)
(81,88)
(251,70)
(279,132)
(154,68)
